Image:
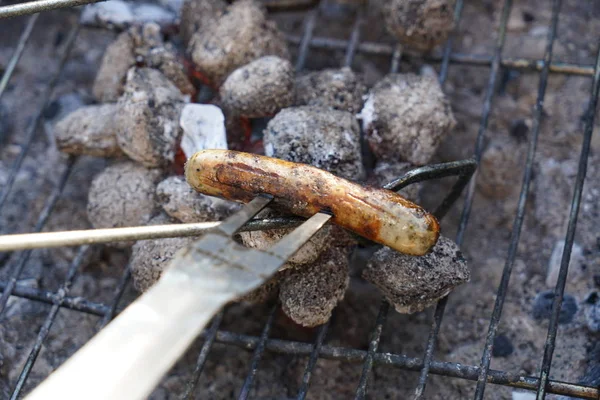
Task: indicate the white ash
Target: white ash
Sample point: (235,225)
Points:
(148,118)
(340,89)
(203,128)
(123,195)
(90,130)
(183,203)
(309,295)
(242,34)
(419,24)
(405,117)
(149,258)
(325,138)
(385,172)
(263,240)
(197,14)
(412,283)
(496,173)
(260,88)
(121,14)
(575,264)
(138,46)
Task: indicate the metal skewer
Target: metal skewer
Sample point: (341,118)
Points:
(127,359)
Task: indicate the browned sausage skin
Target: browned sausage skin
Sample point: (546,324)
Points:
(379,215)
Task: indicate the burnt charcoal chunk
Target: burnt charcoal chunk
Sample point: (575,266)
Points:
(542,307)
(148,118)
(150,257)
(89,130)
(412,283)
(196,14)
(123,195)
(340,89)
(182,202)
(503,347)
(309,294)
(419,24)
(241,34)
(324,138)
(260,88)
(405,117)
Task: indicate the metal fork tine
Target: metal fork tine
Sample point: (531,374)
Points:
(291,243)
(138,347)
(232,224)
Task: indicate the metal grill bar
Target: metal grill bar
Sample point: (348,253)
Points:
(258,352)
(312,361)
(361,390)
(477,60)
(30,135)
(441,306)
(37,6)
(448,369)
(45,329)
(518,222)
(48,297)
(211,334)
(14,59)
(570,236)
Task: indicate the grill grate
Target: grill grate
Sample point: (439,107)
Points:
(482,373)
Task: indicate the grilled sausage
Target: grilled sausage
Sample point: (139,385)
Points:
(380,215)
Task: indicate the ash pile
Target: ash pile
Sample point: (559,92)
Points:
(208,74)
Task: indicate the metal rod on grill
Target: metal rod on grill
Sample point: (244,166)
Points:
(127,359)
(97,236)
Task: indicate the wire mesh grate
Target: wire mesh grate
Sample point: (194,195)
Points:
(482,374)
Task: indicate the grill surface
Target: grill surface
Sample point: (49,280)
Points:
(426,364)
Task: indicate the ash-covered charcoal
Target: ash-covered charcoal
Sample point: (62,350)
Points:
(260,88)
(325,138)
(386,172)
(150,257)
(405,117)
(241,35)
(182,202)
(148,118)
(118,58)
(263,240)
(123,195)
(197,14)
(309,295)
(412,283)
(203,128)
(89,130)
(340,89)
(142,46)
(419,24)
(152,52)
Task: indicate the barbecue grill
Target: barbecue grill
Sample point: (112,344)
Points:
(426,364)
